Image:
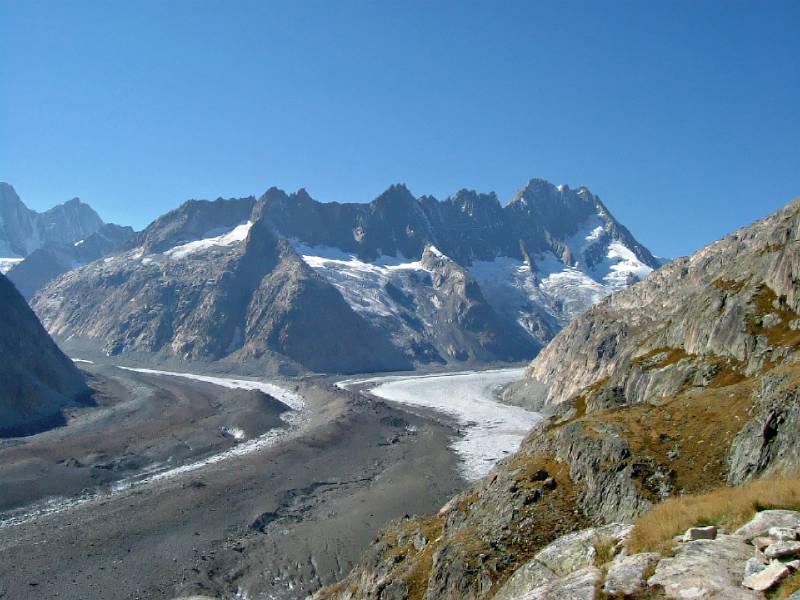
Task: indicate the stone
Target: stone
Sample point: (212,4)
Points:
(531,575)
(766,519)
(705,569)
(700,533)
(583,584)
(762,542)
(794,565)
(783,550)
(753,565)
(576,550)
(550,484)
(767,578)
(626,574)
(783,534)
(539,475)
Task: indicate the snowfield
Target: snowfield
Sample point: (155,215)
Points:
(490,429)
(234,236)
(362,284)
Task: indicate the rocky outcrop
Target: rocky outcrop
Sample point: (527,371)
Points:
(23,230)
(730,307)
(38,381)
(54,259)
(594,563)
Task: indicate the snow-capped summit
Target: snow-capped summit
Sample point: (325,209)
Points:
(410,280)
(23,230)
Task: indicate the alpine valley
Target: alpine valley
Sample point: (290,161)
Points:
(408,399)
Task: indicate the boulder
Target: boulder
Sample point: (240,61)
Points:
(783,534)
(753,565)
(626,574)
(700,533)
(767,519)
(767,578)
(576,550)
(783,550)
(529,576)
(580,585)
(706,569)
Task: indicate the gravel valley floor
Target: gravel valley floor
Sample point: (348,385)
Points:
(273,523)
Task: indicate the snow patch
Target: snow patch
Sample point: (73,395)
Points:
(234,236)
(289,398)
(362,284)
(8,263)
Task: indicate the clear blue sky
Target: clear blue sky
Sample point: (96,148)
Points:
(683,116)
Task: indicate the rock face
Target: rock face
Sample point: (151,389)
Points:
(398,282)
(23,230)
(732,305)
(53,259)
(37,379)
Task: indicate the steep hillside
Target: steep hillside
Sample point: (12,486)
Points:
(679,385)
(412,280)
(37,379)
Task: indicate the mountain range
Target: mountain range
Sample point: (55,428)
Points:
(387,285)
(37,247)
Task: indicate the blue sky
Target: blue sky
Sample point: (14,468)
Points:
(683,116)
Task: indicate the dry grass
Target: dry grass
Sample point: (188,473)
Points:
(728,507)
(787,587)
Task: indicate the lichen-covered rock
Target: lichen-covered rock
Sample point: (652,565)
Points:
(767,578)
(579,585)
(626,574)
(705,569)
(766,520)
(578,550)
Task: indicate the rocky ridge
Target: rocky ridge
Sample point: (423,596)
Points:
(416,281)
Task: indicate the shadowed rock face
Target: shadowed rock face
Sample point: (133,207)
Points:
(23,230)
(386,285)
(37,379)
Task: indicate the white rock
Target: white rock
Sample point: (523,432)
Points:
(700,533)
(580,585)
(626,574)
(794,565)
(763,521)
(766,578)
(783,550)
(706,569)
(783,534)
(753,565)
